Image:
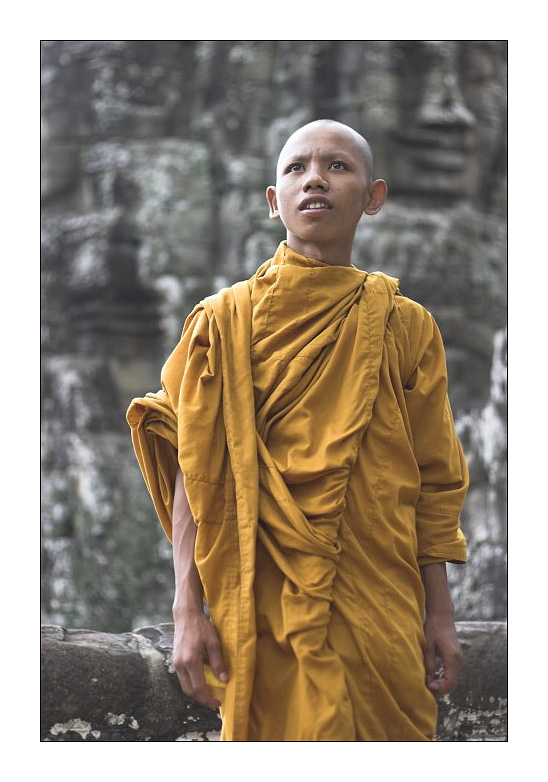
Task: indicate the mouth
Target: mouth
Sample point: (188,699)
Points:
(315,205)
(445,149)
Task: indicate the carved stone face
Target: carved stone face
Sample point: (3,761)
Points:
(435,114)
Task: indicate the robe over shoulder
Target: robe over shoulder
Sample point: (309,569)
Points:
(307,408)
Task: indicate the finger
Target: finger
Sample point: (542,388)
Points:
(449,681)
(200,689)
(215,657)
(451,666)
(442,686)
(184,681)
(434,685)
(430,663)
(446,680)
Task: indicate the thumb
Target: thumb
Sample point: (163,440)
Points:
(215,657)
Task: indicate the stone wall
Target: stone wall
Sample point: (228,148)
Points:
(156,155)
(105,687)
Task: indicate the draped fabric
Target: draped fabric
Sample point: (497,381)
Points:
(307,408)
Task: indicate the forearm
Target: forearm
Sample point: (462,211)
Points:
(195,639)
(438,597)
(188,587)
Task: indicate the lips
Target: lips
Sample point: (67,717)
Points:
(315,203)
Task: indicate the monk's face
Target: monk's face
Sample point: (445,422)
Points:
(322,188)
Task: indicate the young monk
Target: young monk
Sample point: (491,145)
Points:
(303,461)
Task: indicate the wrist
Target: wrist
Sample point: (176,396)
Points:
(438,603)
(440,613)
(187,604)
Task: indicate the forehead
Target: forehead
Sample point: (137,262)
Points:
(321,140)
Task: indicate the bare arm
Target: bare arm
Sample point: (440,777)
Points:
(188,587)
(440,633)
(195,640)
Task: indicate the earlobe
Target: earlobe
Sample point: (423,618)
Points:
(377,197)
(372,208)
(272,203)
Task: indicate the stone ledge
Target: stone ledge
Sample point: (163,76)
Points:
(107,687)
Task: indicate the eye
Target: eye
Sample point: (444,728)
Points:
(294,167)
(338,165)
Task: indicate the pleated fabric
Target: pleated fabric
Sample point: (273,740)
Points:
(307,408)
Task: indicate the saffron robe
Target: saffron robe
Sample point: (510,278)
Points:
(307,408)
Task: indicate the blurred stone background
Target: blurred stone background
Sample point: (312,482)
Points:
(156,155)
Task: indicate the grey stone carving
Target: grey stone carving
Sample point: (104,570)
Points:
(156,155)
(106,687)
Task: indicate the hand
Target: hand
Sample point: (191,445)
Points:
(442,641)
(196,641)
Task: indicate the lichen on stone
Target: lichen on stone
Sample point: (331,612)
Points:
(79,726)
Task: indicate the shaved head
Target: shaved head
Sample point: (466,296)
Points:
(331,124)
(324,186)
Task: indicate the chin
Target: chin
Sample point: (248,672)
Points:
(313,233)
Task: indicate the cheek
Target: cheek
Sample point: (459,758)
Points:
(354,204)
(286,201)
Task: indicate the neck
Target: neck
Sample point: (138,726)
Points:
(337,254)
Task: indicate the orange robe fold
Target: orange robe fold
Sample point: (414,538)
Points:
(307,408)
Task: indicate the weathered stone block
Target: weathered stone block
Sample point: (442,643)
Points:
(103,687)
(477,710)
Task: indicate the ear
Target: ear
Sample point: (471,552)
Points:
(272,203)
(377,197)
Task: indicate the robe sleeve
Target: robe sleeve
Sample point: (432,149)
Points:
(438,452)
(154,423)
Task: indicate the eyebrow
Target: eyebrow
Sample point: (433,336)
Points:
(330,154)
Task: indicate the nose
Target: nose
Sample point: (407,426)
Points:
(444,105)
(314,179)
